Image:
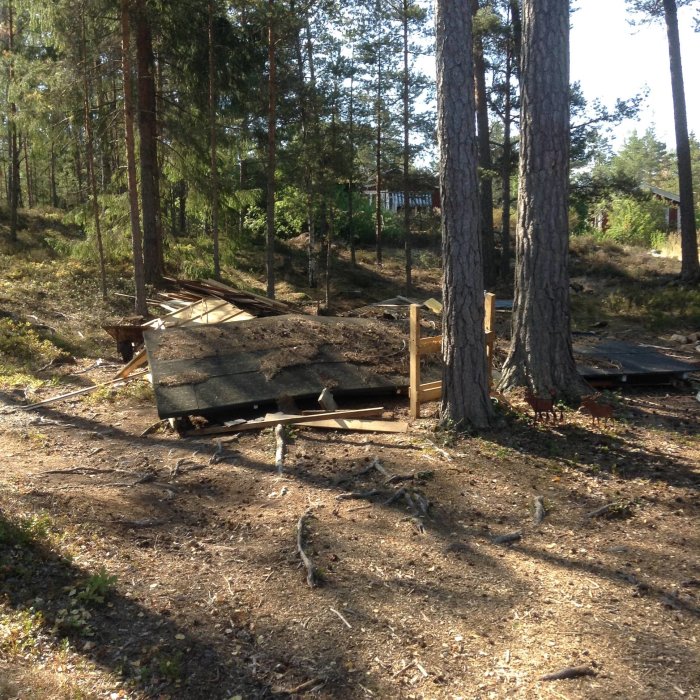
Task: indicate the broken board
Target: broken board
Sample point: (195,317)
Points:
(214,369)
(627,363)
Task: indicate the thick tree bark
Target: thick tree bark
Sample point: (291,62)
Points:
(541,355)
(271,150)
(136,236)
(406,151)
(148,150)
(485,161)
(378,109)
(213,99)
(14,176)
(690,268)
(351,179)
(465,397)
(90,158)
(507,157)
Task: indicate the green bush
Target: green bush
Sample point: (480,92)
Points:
(20,343)
(635,222)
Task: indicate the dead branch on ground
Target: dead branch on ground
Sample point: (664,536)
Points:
(311,578)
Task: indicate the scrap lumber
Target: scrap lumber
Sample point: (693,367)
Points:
(139,359)
(283,419)
(370,426)
(84,390)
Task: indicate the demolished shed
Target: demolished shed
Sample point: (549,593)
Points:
(214,369)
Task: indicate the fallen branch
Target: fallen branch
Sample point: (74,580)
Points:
(333,610)
(509,538)
(569,672)
(617,509)
(281,438)
(78,392)
(396,478)
(311,578)
(539,512)
(359,494)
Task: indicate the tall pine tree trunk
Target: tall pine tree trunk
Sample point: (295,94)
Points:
(506,159)
(405,78)
(271,150)
(465,394)
(13,145)
(485,162)
(148,150)
(136,236)
(690,268)
(90,157)
(213,99)
(541,355)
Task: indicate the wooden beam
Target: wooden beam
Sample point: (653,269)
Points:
(374,426)
(84,390)
(284,419)
(432,393)
(140,358)
(414,361)
(431,345)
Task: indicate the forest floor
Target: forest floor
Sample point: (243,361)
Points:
(154,566)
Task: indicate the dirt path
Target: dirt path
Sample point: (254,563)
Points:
(160,567)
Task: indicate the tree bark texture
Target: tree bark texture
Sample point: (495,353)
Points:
(465,398)
(690,268)
(90,157)
(14,176)
(406,77)
(213,100)
(271,151)
(148,150)
(541,355)
(485,162)
(136,236)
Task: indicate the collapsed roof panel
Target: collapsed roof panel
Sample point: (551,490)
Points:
(208,370)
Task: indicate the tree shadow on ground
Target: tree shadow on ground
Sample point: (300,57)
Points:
(149,650)
(597,452)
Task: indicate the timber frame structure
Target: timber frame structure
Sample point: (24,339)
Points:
(432,391)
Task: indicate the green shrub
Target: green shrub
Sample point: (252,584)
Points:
(21,344)
(635,222)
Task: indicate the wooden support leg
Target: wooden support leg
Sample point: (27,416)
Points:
(414,360)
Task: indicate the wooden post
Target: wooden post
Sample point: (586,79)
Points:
(490,331)
(490,312)
(414,358)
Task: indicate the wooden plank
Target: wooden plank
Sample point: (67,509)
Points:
(414,361)
(433,305)
(373,426)
(431,345)
(489,311)
(284,419)
(431,385)
(78,392)
(139,359)
(432,394)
